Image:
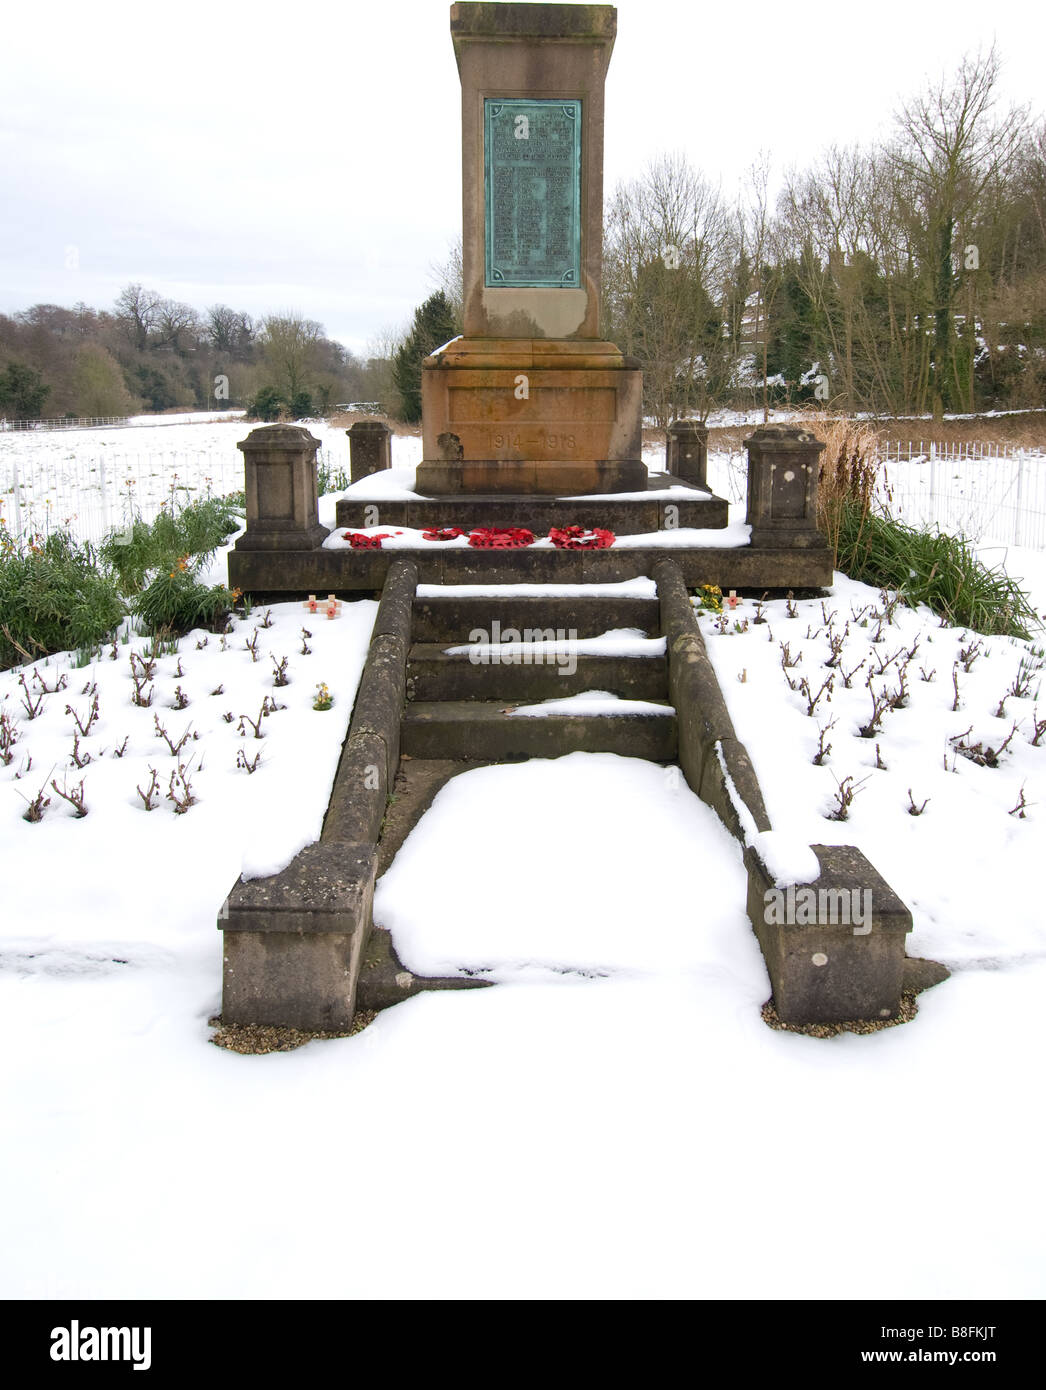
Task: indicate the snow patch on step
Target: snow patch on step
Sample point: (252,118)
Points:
(591,702)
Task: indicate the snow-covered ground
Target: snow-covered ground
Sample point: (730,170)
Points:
(89,480)
(613,1119)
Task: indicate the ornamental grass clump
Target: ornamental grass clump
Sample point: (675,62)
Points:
(923,566)
(936,569)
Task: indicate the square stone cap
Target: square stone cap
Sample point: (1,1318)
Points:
(290,437)
(774,437)
(517,21)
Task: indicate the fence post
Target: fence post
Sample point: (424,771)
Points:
(933,481)
(1020,495)
(103,483)
(16,510)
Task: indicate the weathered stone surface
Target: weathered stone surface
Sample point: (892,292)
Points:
(393,618)
(742,809)
(325,888)
(380,698)
(686,452)
(783,468)
(482,729)
(433,675)
(385,981)
(542,52)
(450,619)
(293,942)
(700,510)
(920,974)
(360,792)
(572,425)
(370,448)
(824,973)
(279,464)
(363,571)
(692,685)
(535,401)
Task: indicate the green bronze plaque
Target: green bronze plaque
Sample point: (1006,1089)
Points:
(532,187)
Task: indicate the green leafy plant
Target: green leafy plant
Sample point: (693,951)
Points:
(330,479)
(195,530)
(53,596)
(175,602)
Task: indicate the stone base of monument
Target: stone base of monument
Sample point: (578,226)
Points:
(531,416)
(274,574)
(661,502)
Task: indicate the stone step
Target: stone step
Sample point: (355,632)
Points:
(455,616)
(668,504)
(521,675)
(483,729)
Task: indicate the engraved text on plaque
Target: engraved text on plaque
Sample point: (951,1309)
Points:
(532,185)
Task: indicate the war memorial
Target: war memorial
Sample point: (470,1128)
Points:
(532,425)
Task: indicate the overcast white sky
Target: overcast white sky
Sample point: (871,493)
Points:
(307,156)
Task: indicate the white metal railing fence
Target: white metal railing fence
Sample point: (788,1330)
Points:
(101,422)
(88,494)
(95,422)
(984,491)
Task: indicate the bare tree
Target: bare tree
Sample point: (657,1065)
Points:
(951,144)
(229,331)
(449,277)
(137,311)
(290,347)
(667,255)
(177,326)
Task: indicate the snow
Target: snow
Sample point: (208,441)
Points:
(566,811)
(651,494)
(623,641)
(387,485)
(689,537)
(412,538)
(640,587)
(590,702)
(787,857)
(966,865)
(602,1122)
(192,417)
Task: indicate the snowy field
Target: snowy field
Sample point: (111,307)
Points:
(613,1119)
(90,480)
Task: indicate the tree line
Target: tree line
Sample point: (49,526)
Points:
(905,277)
(151,354)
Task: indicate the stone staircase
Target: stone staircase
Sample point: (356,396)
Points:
(462,700)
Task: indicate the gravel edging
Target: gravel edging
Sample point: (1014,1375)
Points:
(909,1008)
(259,1038)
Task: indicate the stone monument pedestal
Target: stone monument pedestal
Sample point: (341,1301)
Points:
(531,401)
(279,463)
(531,416)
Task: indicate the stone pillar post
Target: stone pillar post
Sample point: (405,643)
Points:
(686,452)
(279,464)
(783,465)
(370,448)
